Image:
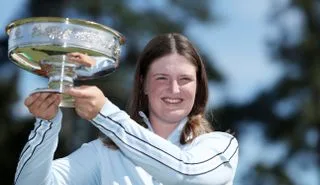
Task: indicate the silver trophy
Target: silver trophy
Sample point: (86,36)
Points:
(42,45)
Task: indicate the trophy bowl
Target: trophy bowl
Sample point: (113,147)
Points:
(41,45)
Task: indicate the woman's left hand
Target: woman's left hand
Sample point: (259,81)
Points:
(82,59)
(89,100)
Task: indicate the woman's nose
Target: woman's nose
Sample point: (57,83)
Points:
(174,87)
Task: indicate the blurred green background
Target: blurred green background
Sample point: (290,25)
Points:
(263,61)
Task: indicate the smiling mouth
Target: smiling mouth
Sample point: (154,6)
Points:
(172,100)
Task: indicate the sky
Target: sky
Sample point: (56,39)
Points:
(238,45)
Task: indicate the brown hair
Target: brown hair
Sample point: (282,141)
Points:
(158,47)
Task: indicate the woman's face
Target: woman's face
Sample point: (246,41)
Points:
(170,85)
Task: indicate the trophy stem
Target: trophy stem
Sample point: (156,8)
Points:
(61,73)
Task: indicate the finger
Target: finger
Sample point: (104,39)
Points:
(79,92)
(86,60)
(80,58)
(56,101)
(81,103)
(59,99)
(35,106)
(48,101)
(83,58)
(40,99)
(31,99)
(77,56)
(82,62)
(74,59)
(53,107)
(80,112)
(74,54)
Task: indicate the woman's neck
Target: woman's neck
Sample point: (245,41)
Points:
(162,128)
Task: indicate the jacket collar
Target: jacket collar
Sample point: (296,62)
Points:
(174,136)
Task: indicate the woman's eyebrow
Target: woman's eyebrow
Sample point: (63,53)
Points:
(186,75)
(159,74)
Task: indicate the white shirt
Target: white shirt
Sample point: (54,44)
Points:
(142,158)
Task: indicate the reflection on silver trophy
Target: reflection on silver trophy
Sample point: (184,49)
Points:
(42,46)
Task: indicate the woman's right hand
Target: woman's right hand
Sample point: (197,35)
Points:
(43,105)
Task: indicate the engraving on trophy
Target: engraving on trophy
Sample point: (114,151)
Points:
(36,30)
(17,34)
(53,32)
(67,34)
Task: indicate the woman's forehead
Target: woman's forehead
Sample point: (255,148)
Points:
(172,62)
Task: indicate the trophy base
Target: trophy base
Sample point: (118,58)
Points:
(67,100)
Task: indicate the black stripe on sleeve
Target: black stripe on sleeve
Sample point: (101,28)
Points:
(35,133)
(180,160)
(142,152)
(42,139)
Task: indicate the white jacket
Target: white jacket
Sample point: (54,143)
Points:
(142,158)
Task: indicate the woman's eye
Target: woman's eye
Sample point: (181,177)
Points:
(161,78)
(185,79)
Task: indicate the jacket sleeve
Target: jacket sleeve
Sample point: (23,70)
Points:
(36,164)
(210,159)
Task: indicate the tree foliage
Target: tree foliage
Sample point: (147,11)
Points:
(290,111)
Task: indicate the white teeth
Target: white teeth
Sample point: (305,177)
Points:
(172,100)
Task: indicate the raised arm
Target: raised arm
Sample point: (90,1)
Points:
(210,159)
(37,155)
(36,164)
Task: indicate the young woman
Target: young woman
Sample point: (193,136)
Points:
(165,140)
